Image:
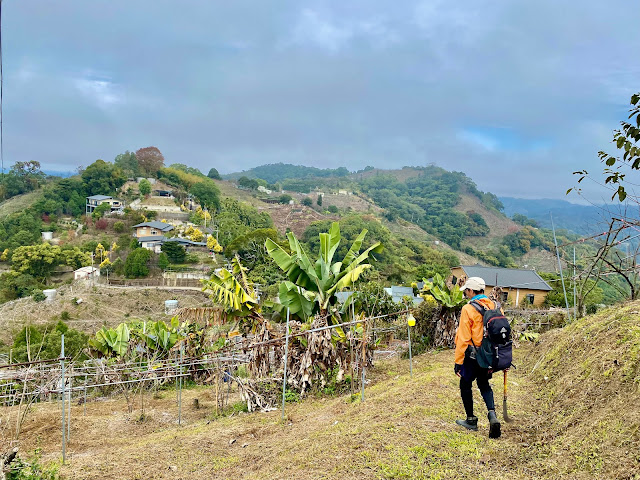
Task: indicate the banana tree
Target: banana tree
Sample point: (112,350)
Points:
(450,302)
(111,342)
(312,286)
(233,291)
(310,294)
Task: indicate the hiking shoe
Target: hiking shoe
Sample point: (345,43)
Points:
(471,423)
(494,425)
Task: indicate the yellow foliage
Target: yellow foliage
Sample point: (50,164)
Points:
(197,235)
(105,263)
(212,244)
(5,255)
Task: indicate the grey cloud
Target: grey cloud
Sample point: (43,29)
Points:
(237,84)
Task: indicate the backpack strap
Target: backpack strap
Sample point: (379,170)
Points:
(478,306)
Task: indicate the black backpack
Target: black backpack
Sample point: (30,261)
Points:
(495,351)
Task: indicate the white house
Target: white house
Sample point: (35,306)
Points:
(86,273)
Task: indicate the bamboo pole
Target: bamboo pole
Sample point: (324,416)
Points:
(286,356)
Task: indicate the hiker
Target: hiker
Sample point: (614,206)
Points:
(469,333)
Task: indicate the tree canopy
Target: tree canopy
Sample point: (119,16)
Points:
(150,160)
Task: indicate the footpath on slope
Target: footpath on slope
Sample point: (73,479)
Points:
(573,402)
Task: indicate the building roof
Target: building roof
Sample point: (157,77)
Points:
(186,241)
(99,197)
(165,227)
(152,238)
(507,277)
(88,269)
(397,293)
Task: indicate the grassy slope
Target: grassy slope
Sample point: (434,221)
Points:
(100,306)
(20,202)
(576,417)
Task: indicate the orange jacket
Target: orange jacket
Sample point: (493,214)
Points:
(470,327)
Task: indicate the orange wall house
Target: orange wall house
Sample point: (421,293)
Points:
(517,285)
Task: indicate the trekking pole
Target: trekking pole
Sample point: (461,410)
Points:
(505,415)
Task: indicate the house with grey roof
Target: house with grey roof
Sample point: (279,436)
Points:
(518,285)
(147,229)
(94,201)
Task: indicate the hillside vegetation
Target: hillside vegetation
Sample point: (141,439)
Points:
(575,417)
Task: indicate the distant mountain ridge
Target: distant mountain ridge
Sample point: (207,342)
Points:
(276,172)
(579,219)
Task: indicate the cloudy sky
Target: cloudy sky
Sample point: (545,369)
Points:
(515,94)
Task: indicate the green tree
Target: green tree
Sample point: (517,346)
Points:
(128,163)
(145,187)
(44,341)
(16,285)
(307,202)
(284,199)
(312,286)
(249,183)
(38,261)
(332,209)
(207,193)
(100,210)
(175,252)
(136,264)
(213,173)
(319,200)
(102,178)
(75,258)
(163,261)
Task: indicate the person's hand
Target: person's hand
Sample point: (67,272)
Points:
(457,369)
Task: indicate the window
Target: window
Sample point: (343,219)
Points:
(530,298)
(505,296)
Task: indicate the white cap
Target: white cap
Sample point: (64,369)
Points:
(474,283)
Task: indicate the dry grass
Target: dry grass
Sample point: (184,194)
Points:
(100,306)
(404,429)
(574,402)
(18,203)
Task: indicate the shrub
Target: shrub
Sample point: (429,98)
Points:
(285,199)
(38,295)
(163,261)
(332,209)
(45,341)
(175,252)
(102,224)
(118,227)
(136,264)
(307,202)
(65,315)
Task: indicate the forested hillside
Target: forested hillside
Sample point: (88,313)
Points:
(427,218)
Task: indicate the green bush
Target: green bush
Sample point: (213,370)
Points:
(118,227)
(332,209)
(31,469)
(44,341)
(163,261)
(38,295)
(136,264)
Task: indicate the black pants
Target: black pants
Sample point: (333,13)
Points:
(470,372)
